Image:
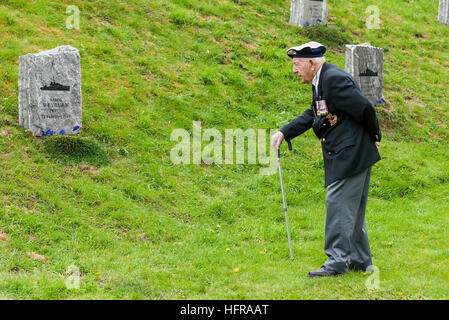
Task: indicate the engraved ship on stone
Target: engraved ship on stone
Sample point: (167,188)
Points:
(54,86)
(368,73)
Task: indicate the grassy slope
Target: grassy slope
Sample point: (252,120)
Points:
(141,227)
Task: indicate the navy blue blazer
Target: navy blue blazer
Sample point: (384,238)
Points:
(348,128)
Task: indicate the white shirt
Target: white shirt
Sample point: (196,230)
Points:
(316,80)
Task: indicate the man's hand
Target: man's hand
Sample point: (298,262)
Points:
(377,143)
(276,140)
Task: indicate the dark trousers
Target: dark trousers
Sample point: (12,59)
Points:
(346,241)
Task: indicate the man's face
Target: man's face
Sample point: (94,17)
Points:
(304,68)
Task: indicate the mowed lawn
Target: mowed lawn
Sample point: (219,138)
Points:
(111,206)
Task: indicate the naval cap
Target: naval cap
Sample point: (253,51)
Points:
(310,49)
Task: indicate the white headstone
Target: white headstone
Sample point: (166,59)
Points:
(308,12)
(366,64)
(443,11)
(50,91)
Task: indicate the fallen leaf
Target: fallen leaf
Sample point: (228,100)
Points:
(30,132)
(88,168)
(3,236)
(6,132)
(35,256)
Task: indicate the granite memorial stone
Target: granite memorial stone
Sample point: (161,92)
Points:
(366,64)
(50,91)
(308,12)
(443,11)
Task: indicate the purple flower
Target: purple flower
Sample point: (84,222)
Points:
(62,131)
(75,128)
(380,102)
(49,132)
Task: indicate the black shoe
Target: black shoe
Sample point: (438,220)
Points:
(323,272)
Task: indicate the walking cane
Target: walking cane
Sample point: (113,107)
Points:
(284,200)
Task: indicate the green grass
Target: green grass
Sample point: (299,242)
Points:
(139,227)
(71,150)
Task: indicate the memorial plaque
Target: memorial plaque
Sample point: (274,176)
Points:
(50,91)
(366,64)
(443,11)
(308,12)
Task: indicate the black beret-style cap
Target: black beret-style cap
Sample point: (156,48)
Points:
(308,50)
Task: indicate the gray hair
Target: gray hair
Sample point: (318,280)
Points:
(319,60)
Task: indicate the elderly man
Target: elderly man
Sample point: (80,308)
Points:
(346,124)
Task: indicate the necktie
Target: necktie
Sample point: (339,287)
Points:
(314,92)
